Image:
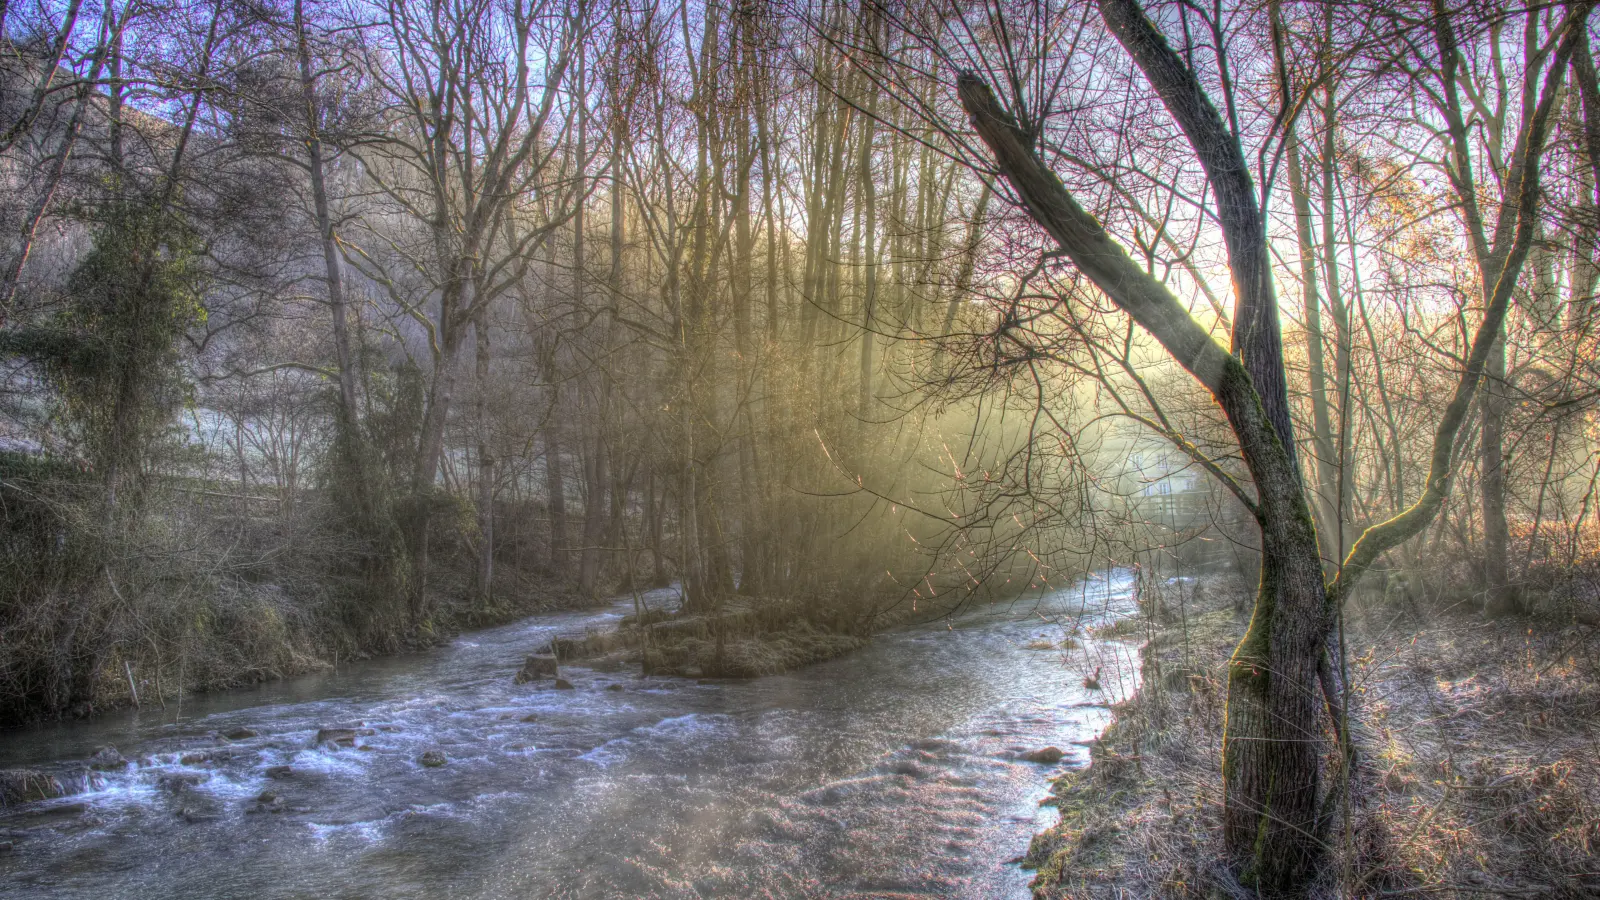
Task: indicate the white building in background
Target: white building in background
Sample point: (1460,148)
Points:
(1153,480)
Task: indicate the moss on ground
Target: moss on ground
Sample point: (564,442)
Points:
(747,638)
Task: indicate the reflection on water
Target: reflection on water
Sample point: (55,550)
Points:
(889,773)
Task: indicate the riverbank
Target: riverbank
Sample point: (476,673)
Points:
(243,635)
(1479,775)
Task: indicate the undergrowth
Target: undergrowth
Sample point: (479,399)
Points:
(1478,773)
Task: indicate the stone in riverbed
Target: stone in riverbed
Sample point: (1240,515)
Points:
(563,685)
(207,757)
(280,772)
(530,718)
(178,781)
(613,687)
(433,759)
(340,737)
(107,759)
(269,801)
(536,667)
(27,786)
(239,734)
(1047,755)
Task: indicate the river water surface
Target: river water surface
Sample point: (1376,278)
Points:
(889,773)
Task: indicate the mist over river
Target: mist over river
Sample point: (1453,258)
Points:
(892,772)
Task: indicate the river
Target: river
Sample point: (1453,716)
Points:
(893,772)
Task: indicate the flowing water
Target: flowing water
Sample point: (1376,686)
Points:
(892,772)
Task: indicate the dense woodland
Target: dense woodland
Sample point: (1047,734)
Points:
(331,327)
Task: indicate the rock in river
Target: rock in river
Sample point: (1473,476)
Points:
(176,782)
(107,759)
(340,737)
(433,759)
(1046,755)
(214,755)
(563,685)
(536,667)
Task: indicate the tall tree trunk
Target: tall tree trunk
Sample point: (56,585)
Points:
(484,579)
(752,528)
(1272,741)
(555,481)
(1499,599)
(110,28)
(1324,459)
(654,513)
(869,237)
(332,264)
(1585,266)
(349,411)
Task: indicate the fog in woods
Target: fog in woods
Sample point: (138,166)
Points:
(571,448)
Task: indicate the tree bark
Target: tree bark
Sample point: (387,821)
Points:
(1498,598)
(1256,334)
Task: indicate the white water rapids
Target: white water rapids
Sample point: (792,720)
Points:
(890,773)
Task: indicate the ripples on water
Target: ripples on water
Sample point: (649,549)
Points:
(888,773)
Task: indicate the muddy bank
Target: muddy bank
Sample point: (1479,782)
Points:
(1140,818)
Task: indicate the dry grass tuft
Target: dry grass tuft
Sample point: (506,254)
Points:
(1486,742)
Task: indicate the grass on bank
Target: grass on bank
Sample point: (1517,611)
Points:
(1480,772)
(747,637)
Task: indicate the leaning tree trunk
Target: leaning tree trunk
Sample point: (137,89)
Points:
(1271,765)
